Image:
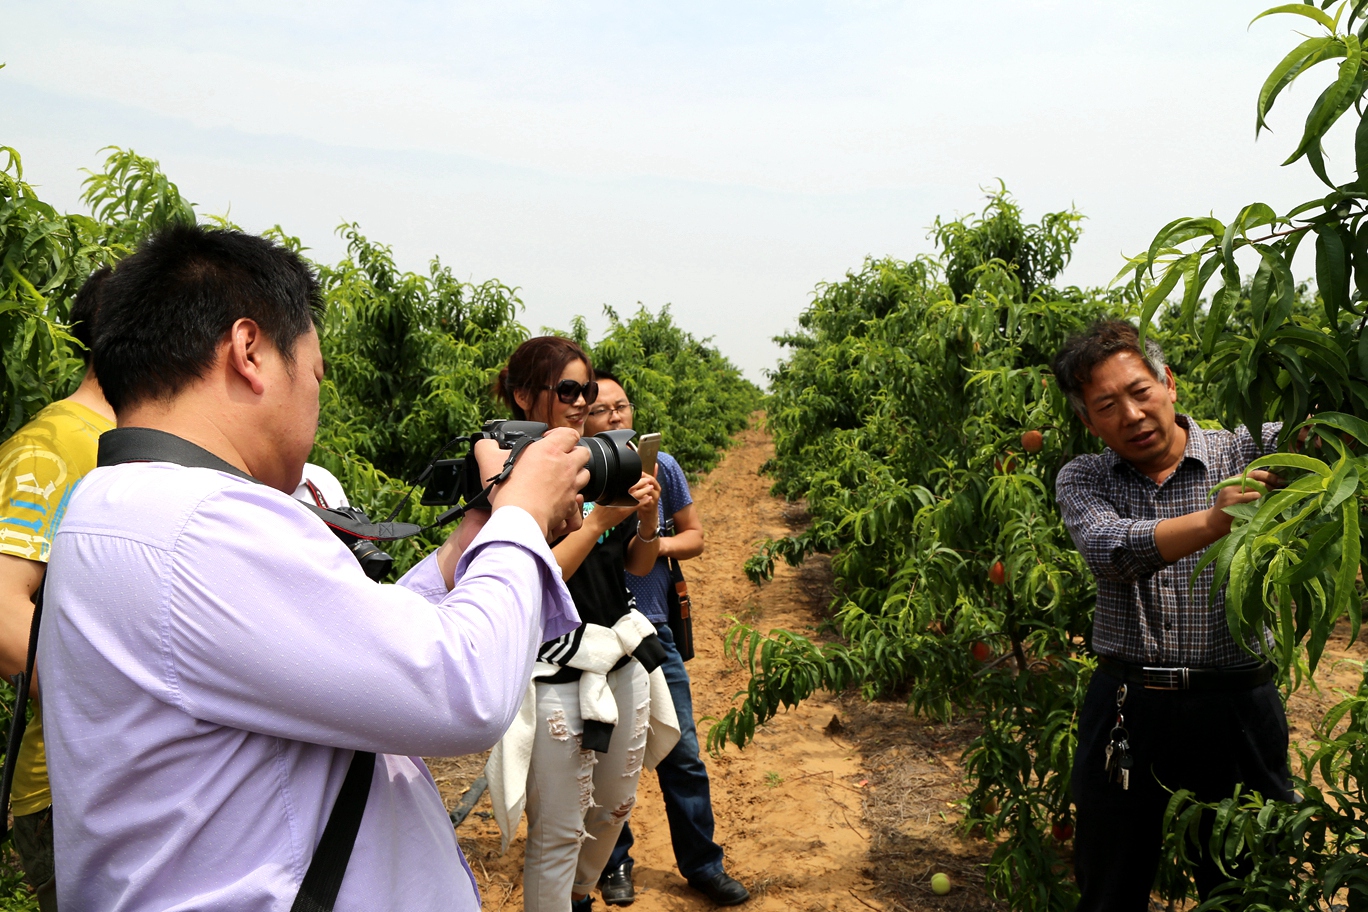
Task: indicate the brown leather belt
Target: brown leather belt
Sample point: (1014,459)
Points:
(1164,677)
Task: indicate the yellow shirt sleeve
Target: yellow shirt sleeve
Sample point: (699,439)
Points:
(40,467)
(33,494)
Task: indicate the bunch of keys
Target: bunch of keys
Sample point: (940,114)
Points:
(1118,760)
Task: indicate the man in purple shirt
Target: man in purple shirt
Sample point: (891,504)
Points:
(212,656)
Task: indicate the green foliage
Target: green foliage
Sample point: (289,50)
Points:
(411,357)
(15,896)
(44,258)
(898,417)
(131,199)
(1034,253)
(1295,558)
(1300,856)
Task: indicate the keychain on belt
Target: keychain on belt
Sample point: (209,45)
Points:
(1118,760)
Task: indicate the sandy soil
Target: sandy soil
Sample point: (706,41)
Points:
(837,805)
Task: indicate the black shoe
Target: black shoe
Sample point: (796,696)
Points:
(616,886)
(721,889)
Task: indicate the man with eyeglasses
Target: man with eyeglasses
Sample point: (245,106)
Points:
(1176,702)
(683,777)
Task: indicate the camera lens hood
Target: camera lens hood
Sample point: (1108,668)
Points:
(613,468)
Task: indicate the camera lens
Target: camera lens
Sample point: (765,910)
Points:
(374,563)
(613,468)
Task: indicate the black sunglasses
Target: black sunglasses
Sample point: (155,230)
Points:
(568,391)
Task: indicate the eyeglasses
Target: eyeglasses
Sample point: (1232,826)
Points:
(625,410)
(568,391)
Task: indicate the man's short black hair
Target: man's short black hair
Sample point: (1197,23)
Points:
(607,375)
(166,309)
(1074,364)
(84,308)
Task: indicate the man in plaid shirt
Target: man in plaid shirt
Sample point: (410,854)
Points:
(1177,700)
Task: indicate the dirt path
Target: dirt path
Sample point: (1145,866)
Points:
(816,814)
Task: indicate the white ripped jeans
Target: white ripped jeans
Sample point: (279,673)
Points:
(577,800)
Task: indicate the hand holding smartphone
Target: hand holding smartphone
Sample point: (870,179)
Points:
(648,448)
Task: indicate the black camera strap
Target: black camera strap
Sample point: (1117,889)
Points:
(323,880)
(136,444)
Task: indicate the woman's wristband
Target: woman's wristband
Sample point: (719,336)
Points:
(646,540)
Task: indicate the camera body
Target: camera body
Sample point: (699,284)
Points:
(613,466)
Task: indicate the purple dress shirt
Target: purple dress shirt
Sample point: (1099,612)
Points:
(211,656)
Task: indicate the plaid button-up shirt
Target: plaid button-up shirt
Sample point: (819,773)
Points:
(1145,613)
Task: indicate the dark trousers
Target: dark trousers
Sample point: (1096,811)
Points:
(683,784)
(1199,740)
(32,838)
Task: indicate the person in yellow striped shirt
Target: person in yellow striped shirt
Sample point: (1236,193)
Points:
(40,466)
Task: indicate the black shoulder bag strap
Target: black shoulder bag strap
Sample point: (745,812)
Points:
(323,880)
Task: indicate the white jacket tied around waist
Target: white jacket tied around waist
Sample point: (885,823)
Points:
(600,648)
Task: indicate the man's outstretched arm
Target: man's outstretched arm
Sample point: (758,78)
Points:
(1183,535)
(19,581)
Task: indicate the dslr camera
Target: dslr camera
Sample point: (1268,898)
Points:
(613,467)
(456,483)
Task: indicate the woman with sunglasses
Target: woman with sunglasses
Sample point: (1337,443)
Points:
(575,753)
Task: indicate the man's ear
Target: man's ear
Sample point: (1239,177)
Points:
(1171,382)
(246,348)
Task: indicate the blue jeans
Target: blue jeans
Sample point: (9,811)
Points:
(683,783)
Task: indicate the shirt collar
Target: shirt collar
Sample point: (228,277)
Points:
(1197,448)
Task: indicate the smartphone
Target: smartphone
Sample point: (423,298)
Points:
(648,447)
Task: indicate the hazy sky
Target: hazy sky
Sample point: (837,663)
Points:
(721,157)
